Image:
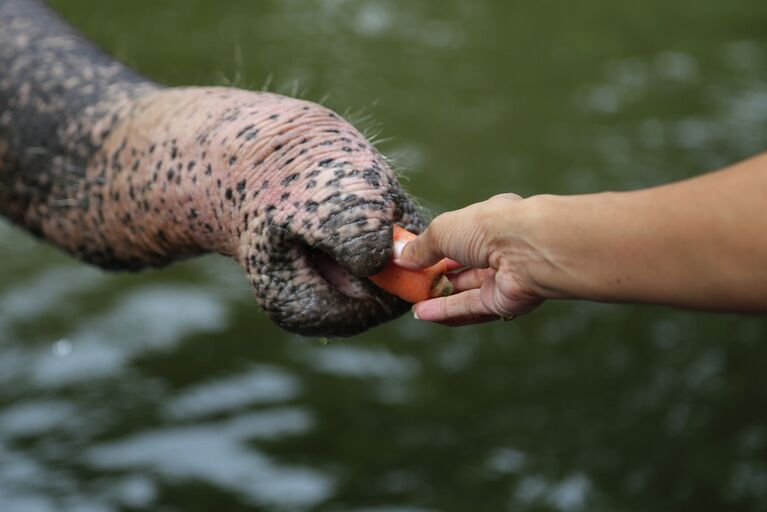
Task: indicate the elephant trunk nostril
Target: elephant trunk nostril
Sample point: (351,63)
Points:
(364,254)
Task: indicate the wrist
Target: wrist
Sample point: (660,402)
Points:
(576,241)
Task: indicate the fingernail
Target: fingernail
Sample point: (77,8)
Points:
(405,264)
(398,246)
(415,313)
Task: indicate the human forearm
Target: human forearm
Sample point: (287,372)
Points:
(699,243)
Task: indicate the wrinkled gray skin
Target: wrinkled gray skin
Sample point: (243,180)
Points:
(125,173)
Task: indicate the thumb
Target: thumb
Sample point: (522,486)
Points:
(420,252)
(462,235)
(459,235)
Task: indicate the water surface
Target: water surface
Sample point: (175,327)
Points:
(168,390)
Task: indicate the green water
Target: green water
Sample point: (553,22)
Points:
(169,391)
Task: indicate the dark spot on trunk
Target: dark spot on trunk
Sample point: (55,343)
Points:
(244,130)
(289,179)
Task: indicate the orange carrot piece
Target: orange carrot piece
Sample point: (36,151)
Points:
(414,285)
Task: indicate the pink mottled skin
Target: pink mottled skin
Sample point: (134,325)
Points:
(286,203)
(134,174)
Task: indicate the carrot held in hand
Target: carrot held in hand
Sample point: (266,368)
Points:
(414,285)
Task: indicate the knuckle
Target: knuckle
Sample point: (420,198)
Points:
(476,307)
(506,197)
(466,304)
(437,226)
(430,241)
(414,250)
(445,308)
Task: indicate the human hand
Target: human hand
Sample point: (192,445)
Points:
(489,239)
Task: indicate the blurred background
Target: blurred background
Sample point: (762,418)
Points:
(169,391)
